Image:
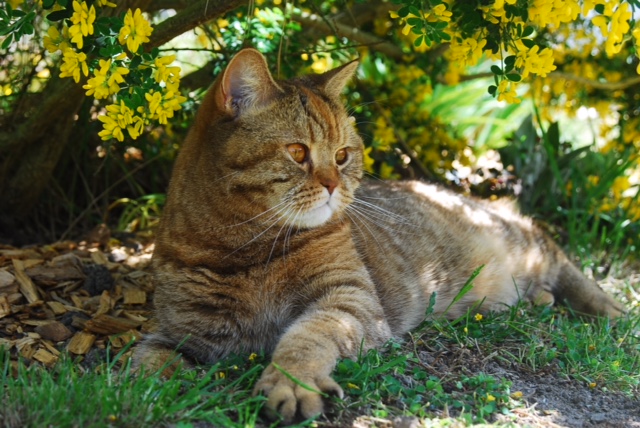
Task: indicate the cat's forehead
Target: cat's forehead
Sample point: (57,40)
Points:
(310,95)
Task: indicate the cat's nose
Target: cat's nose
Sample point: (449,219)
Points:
(329,184)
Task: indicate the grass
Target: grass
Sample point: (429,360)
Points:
(437,372)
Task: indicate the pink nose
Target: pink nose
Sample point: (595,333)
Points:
(329,184)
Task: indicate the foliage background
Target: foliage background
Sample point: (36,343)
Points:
(530,98)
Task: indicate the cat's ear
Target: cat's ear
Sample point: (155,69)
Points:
(246,83)
(333,81)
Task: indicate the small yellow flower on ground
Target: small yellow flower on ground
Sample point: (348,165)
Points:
(478,317)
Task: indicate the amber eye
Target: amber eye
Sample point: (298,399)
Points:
(341,156)
(298,152)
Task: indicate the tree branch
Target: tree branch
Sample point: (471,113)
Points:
(191,16)
(316,22)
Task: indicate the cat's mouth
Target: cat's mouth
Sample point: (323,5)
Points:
(320,212)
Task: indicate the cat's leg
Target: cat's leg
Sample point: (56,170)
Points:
(336,326)
(155,353)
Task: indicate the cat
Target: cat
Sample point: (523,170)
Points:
(272,241)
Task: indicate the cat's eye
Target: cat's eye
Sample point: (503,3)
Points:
(341,156)
(298,152)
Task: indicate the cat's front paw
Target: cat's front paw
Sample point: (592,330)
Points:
(289,392)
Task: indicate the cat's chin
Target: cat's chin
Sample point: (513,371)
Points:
(320,214)
(315,217)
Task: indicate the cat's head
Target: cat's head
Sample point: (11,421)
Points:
(288,148)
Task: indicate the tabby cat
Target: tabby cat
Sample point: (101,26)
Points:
(272,241)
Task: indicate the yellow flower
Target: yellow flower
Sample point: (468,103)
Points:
(367,160)
(636,36)
(490,397)
(530,61)
(118,118)
(553,12)
(478,317)
(619,27)
(321,63)
(163,104)
(82,19)
(386,172)
(383,136)
(136,30)
(106,3)
(164,73)
(73,64)
(467,52)
(55,41)
(620,184)
(253,356)
(516,394)
(507,92)
(105,81)
(495,13)
(441,13)
(352,386)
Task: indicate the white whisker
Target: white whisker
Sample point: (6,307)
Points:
(286,208)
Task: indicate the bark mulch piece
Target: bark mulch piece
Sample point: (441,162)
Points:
(73,297)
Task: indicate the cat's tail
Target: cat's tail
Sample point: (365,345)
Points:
(583,295)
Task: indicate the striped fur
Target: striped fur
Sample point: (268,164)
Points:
(257,252)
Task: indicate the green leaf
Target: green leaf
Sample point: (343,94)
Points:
(440,25)
(415,22)
(492,90)
(7,41)
(527,31)
(417,42)
(528,43)
(444,36)
(599,8)
(514,77)
(403,12)
(496,70)
(48,4)
(59,15)
(414,10)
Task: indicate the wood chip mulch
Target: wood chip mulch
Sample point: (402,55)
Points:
(73,297)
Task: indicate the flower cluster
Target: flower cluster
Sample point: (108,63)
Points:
(136,105)
(508,34)
(614,24)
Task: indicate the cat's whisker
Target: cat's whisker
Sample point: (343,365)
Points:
(287,207)
(257,216)
(384,199)
(386,213)
(287,237)
(380,222)
(363,221)
(275,240)
(226,176)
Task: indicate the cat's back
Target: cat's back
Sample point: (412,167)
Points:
(418,238)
